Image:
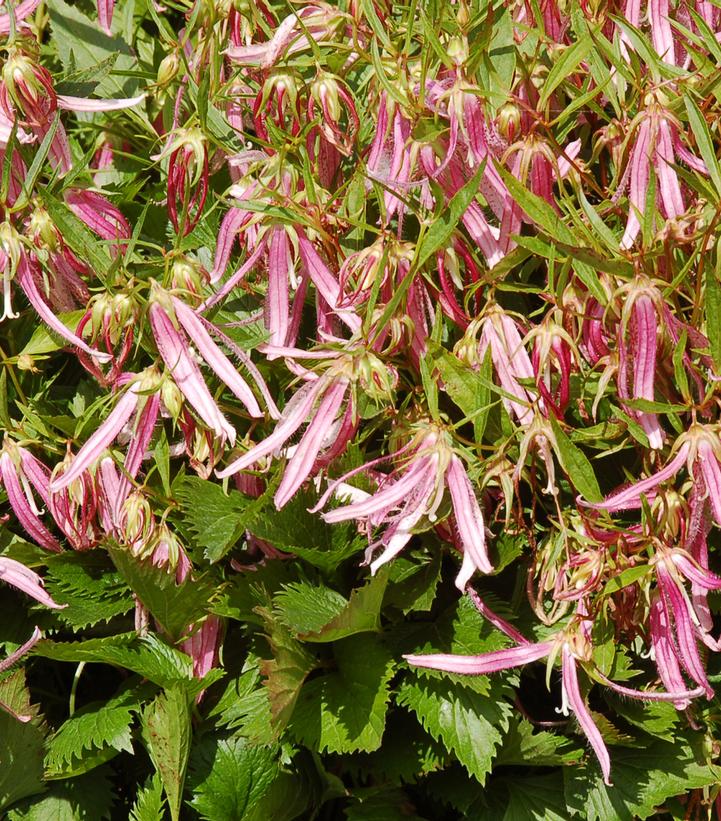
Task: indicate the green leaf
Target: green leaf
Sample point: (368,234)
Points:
(534,798)
(90,587)
(525,746)
(229,777)
(94,727)
(625,578)
(703,140)
(244,706)
(175,606)
(285,672)
(345,711)
(294,530)
(381,804)
(712,309)
(306,607)
(161,454)
(85,798)
(575,464)
(469,389)
(564,67)
(149,803)
(149,657)
(536,208)
(167,734)
(78,236)
(643,778)
(469,724)
(23,743)
(82,45)
(413,585)
(216,518)
(439,234)
(319,614)
(44,341)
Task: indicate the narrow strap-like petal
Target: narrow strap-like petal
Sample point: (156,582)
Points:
(101,439)
(487,663)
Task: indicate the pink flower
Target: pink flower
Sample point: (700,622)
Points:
(574,645)
(414,492)
(699,449)
(639,320)
(499,334)
(655,144)
(21,474)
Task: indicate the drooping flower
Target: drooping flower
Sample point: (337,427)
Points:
(328,405)
(428,466)
(574,646)
(654,141)
(21,474)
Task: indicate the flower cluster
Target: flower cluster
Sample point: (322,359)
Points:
(439,281)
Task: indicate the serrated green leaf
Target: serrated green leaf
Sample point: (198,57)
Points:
(94,727)
(306,607)
(149,657)
(216,518)
(285,672)
(535,798)
(319,614)
(525,746)
(643,778)
(229,777)
(85,798)
(469,724)
(175,606)
(345,711)
(23,743)
(90,587)
(149,804)
(167,733)
(244,706)
(413,586)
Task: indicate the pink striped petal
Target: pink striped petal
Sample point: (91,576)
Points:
(583,716)
(277,300)
(215,358)
(85,104)
(324,281)
(306,453)
(293,417)
(469,520)
(27,517)
(176,355)
(103,437)
(630,497)
(24,579)
(487,663)
(27,283)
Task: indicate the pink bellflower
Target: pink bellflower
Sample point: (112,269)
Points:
(413,493)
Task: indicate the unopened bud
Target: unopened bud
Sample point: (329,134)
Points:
(168,68)
(509,121)
(457,50)
(171,397)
